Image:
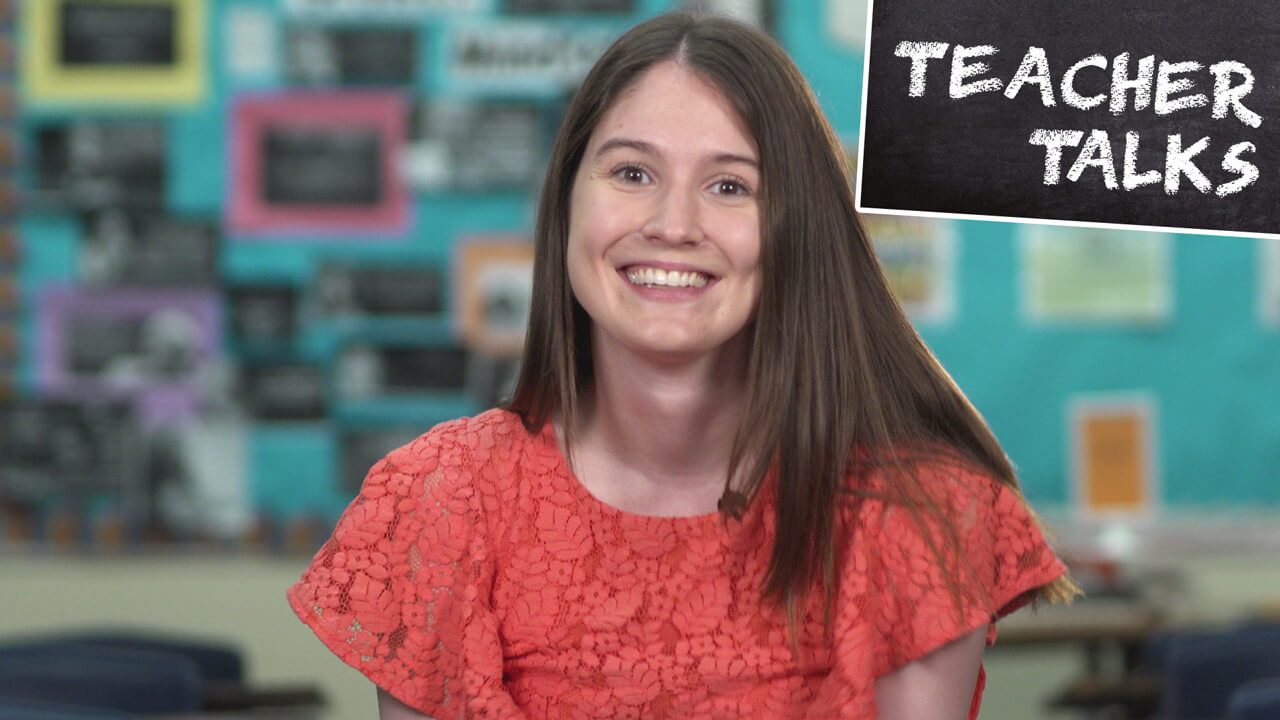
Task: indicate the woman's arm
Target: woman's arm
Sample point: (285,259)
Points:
(939,685)
(390,708)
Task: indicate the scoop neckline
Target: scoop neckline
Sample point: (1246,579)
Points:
(551,445)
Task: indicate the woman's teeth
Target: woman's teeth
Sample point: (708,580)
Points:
(657,277)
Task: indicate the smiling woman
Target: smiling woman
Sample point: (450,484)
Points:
(732,481)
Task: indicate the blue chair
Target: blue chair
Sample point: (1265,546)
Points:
(218,662)
(1200,671)
(1255,700)
(14,709)
(130,681)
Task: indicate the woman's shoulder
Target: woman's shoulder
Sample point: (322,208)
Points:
(937,477)
(458,452)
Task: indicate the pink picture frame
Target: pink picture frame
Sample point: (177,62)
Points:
(250,213)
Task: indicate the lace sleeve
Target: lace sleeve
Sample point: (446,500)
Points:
(894,604)
(1004,557)
(400,592)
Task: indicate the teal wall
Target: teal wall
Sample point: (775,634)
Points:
(1212,370)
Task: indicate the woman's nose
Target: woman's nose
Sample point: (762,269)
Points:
(674,217)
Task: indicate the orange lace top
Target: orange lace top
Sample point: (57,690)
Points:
(474,576)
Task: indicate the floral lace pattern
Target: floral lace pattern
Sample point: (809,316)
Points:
(474,576)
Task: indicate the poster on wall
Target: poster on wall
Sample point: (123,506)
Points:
(378,9)
(1269,282)
(918,256)
(360,449)
(115,51)
(759,13)
(329,55)
(318,164)
(1095,275)
(284,390)
(547,7)
(365,371)
(153,345)
(124,248)
(1113,459)
(1155,114)
(249,42)
(522,57)
(86,164)
(476,146)
(356,290)
(493,287)
(262,314)
(60,450)
(846,23)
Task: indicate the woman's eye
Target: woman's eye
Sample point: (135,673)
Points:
(730,187)
(630,174)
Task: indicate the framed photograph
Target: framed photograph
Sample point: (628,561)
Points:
(361,449)
(64,449)
(476,146)
(493,286)
(92,164)
(318,164)
(366,371)
(115,51)
(262,314)
(1113,457)
(373,290)
(284,391)
(337,55)
(154,346)
(124,248)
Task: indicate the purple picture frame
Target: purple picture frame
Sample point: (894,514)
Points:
(191,317)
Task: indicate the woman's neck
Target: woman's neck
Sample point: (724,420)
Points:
(656,435)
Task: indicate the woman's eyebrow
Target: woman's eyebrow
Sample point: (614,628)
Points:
(649,149)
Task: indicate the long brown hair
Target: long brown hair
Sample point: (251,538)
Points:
(835,367)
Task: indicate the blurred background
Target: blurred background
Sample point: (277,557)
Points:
(249,246)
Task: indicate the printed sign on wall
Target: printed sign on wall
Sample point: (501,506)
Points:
(918,257)
(1088,274)
(111,51)
(1113,458)
(1159,113)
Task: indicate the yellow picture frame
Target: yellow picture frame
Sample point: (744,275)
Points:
(47,79)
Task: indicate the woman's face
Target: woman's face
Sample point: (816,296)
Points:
(664,221)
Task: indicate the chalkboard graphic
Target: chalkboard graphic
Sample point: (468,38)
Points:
(113,52)
(318,164)
(1088,274)
(1158,113)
